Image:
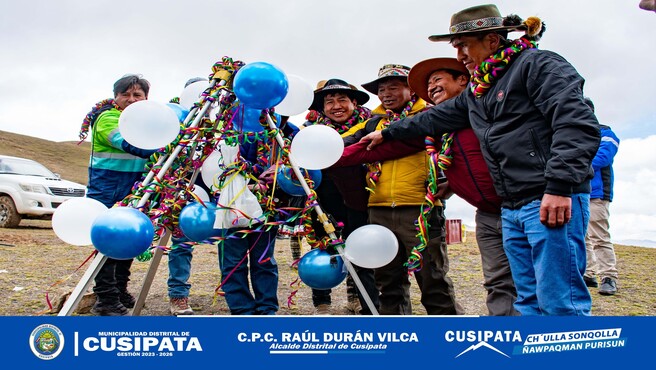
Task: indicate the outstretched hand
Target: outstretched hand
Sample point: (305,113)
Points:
(373,138)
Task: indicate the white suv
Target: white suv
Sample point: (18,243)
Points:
(30,190)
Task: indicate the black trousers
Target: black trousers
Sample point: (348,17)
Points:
(112,279)
(437,293)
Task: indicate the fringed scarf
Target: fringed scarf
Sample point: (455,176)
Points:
(360,114)
(91,117)
(494,67)
(375,168)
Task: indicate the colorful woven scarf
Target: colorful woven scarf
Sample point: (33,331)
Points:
(91,117)
(445,156)
(360,114)
(375,168)
(422,224)
(486,74)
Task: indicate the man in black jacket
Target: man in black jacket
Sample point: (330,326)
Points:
(538,138)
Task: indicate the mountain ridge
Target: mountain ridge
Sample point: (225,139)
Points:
(66,158)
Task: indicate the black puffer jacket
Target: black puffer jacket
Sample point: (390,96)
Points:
(536,133)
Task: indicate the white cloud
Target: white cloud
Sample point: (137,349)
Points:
(633,211)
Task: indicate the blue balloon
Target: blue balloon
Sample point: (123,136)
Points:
(197,221)
(320,270)
(179,110)
(290,184)
(260,85)
(247,119)
(122,233)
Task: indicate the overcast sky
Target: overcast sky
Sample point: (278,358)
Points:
(61,57)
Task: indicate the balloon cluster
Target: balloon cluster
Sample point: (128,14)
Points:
(119,232)
(257,89)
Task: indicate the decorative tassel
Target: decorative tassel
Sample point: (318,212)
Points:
(533,26)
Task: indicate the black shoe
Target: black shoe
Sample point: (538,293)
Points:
(126,299)
(590,282)
(109,309)
(608,286)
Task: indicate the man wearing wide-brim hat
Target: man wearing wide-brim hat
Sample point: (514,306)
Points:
(467,175)
(538,138)
(337,86)
(397,193)
(342,193)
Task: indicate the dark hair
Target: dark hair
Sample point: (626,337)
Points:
(127,81)
(454,74)
(589,103)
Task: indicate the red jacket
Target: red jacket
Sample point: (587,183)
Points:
(468,174)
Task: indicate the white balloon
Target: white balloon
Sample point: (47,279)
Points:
(371,246)
(299,97)
(191,94)
(73,219)
(201,193)
(210,170)
(148,124)
(316,147)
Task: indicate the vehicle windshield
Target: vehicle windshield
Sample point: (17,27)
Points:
(24,167)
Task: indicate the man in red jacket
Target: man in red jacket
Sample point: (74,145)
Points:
(437,80)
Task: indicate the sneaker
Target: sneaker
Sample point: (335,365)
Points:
(590,282)
(126,299)
(180,306)
(608,286)
(109,309)
(322,309)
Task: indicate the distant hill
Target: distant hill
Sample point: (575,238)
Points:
(67,159)
(637,242)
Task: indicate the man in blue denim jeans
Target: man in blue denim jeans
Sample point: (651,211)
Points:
(246,254)
(180,257)
(178,282)
(538,138)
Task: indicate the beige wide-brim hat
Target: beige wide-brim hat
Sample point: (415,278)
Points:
(332,86)
(385,72)
(418,77)
(481,18)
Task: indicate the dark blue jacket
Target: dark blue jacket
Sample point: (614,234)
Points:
(602,164)
(537,135)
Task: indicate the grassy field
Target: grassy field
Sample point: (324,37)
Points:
(34,262)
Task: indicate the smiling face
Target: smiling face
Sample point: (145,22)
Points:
(338,107)
(394,94)
(133,94)
(473,50)
(442,85)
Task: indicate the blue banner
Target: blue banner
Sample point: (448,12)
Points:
(340,342)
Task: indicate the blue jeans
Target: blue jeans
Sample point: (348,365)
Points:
(179,269)
(548,263)
(237,262)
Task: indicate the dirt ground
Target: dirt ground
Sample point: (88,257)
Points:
(35,264)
